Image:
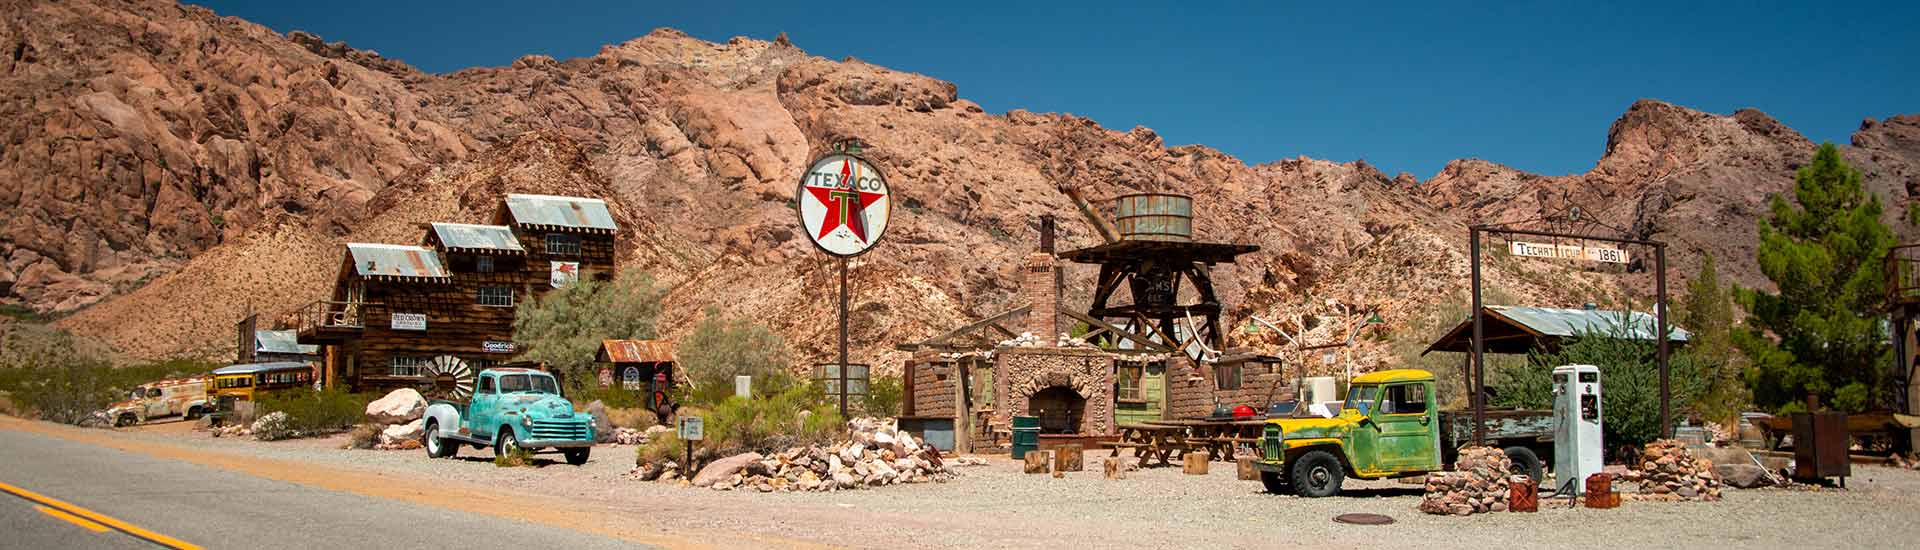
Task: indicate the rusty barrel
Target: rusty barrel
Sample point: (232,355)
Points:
(1154,217)
(1523,494)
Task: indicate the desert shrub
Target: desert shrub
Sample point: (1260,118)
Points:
(884,396)
(663,446)
(776,422)
(564,328)
(521,456)
(613,397)
(312,412)
(636,418)
(721,348)
(273,426)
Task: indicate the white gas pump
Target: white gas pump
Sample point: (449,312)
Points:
(1576,426)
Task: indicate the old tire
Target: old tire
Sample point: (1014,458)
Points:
(577,457)
(1316,474)
(1274,482)
(1525,462)
(436,447)
(504,444)
(193,413)
(125,420)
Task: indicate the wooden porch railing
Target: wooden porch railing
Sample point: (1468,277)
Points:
(327,314)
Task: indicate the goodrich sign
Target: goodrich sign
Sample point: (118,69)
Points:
(1569,252)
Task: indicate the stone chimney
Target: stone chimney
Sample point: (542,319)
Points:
(1040,285)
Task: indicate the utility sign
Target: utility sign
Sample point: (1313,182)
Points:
(1568,252)
(692,428)
(844,204)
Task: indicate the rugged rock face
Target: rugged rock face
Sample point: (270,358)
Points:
(169,156)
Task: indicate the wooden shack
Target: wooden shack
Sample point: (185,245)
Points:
(645,366)
(432,315)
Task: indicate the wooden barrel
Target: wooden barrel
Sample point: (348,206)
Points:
(1154,217)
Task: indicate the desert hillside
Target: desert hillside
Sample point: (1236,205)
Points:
(175,168)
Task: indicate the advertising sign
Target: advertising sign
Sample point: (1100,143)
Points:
(496,346)
(1569,252)
(630,378)
(606,377)
(409,321)
(844,204)
(564,274)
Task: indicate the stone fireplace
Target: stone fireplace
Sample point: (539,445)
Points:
(1069,389)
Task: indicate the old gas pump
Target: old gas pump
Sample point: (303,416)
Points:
(1576,426)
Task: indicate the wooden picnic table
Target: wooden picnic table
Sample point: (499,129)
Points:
(1165,440)
(1152,442)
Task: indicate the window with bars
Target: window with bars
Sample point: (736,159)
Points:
(483,264)
(407,366)
(495,296)
(563,244)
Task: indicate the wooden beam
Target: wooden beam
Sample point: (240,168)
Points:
(977,325)
(1137,339)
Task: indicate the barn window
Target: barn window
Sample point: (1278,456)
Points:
(563,244)
(483,264)
(407,366)
(1226,376)
(495,296)
(1128,380)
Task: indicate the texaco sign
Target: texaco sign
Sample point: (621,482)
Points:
(844,204)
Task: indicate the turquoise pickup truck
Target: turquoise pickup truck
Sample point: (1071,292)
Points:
(511,409)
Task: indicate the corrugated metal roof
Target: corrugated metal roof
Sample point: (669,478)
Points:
(489,237)
(1574,322)
(636,351)
(251,368)
(281,341)
(577,212)
(394,260)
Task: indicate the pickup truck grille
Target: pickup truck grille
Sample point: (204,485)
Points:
(559,429)
(1270,444)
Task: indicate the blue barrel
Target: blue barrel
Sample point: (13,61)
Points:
(1154,217)
(1026,435)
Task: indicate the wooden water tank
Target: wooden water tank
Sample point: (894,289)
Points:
(1154,217)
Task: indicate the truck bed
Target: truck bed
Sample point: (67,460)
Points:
(1504,426)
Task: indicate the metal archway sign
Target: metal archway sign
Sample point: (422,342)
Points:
(844,204)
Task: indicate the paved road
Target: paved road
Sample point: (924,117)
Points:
(217,509)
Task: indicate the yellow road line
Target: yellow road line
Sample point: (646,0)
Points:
(70,518)
(97,518)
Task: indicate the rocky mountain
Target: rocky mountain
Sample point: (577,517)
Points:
(173,168)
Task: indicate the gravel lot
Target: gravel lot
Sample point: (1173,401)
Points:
(997,506)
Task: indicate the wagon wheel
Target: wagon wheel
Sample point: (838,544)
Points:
(451,376)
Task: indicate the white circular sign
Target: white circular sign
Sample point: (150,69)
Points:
(844,204)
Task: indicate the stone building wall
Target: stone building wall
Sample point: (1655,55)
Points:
(1191,391)
(1019,372)
(933,388)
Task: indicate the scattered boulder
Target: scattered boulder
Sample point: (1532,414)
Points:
(1670,472)
(602,426)
(397,407)
(1743,476)
(397,433)
(723,468)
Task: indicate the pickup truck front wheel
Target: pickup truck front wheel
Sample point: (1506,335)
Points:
(1316,474)
(505,444)
(436,447)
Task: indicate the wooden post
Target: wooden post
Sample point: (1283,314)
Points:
(1115,468)
(1069,458)
(1246,469)
(1195,463)
(1037,462)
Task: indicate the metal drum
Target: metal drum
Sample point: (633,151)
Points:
(1026,435)
(1154,217)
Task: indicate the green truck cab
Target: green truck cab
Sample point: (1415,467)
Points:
(511,408)
(1388,427)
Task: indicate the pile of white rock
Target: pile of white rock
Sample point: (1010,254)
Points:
(875,454)
(399,417)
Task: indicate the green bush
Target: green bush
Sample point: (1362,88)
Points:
(1629,379)
(662,446)
(884,396)
(59,378)
(315,412)
(798,416)
(565,327)
(720,349)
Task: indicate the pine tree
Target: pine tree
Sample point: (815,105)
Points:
(1819,338)
(1707,312)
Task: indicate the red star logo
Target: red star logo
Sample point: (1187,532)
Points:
(844,205)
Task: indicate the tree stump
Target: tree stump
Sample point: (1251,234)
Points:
(1195,464)
(1116,468)
(1037,462)
(1069,458)
(1247,471)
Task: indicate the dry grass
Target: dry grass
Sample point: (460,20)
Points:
(636,418)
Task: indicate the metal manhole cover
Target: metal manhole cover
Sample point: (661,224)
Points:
(1362,519)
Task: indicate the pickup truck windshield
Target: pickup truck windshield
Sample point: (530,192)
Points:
(1361,398)
(515,383)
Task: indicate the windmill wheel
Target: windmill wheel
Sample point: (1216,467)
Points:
(451,376)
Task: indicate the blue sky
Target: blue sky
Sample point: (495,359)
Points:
(1406,87)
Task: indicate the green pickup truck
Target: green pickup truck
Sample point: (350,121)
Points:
(1390,426)
(511,409)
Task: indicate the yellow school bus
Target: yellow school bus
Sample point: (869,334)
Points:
(235,383)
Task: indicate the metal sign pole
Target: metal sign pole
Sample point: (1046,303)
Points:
(843,337)
(1660,320)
